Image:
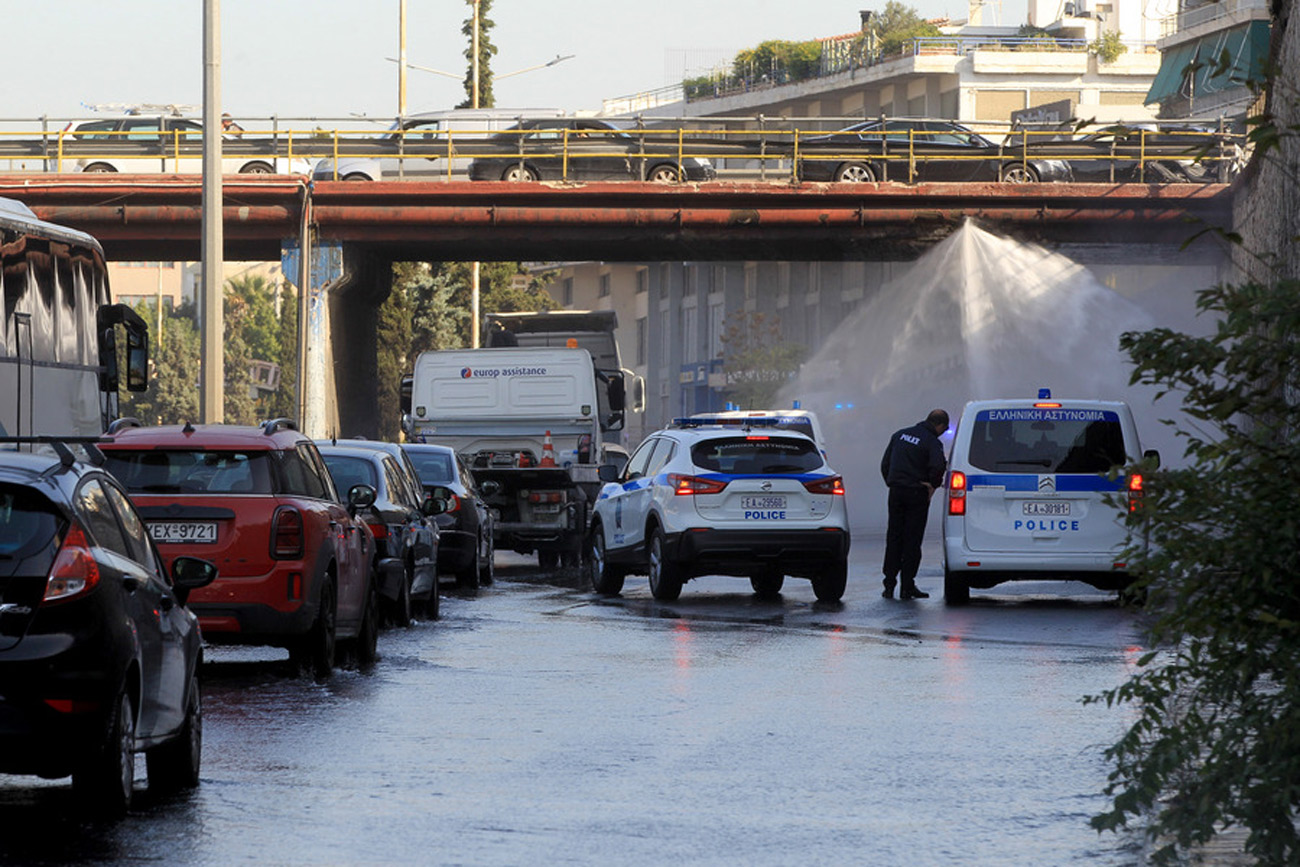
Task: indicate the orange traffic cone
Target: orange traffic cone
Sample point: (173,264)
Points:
(548,452)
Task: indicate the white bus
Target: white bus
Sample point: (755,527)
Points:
(63,343)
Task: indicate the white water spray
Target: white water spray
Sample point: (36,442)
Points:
(979,316)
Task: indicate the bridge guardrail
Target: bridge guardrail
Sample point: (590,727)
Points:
(776,150)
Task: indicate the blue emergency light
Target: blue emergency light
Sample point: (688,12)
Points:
(1044,394)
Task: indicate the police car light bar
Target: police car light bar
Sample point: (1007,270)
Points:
(715,421)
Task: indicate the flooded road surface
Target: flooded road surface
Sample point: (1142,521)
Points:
(540,724)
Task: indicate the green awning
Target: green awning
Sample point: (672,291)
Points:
(1216,62)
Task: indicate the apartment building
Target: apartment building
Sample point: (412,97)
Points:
(1211,51)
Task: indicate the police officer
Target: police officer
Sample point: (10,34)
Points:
(913,467)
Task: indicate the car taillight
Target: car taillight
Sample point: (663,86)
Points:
(453,503)
(286,534)
(75,572)
(1134,491)
(379,531)
(685,486)
(546,497)
(957,493)
(829,485)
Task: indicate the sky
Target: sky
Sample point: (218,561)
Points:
(326,58)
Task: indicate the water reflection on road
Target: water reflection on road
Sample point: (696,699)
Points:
(540,724)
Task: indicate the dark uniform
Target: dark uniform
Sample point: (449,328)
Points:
(913,460)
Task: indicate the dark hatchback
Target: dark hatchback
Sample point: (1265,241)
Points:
(585,149)
(403,523)
(467,550)
(907,150)
(99,655)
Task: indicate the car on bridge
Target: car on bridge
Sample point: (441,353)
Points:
(1145,153)
(918,149)
(587,149)
(166,144)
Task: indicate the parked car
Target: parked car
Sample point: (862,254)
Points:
(1145,154)
(99,655)
(161,143)
(416,148)
(403,523)
(296,562)
(423,586)
(586,149)
(467,550)
(936,150)
(705,499)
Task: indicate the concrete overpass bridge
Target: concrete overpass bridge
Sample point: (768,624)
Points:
(352,232)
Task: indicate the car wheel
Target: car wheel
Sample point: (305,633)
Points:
(829,585)
(487,567)
(1019,173)
(519,173)
(174,765)
(368,637)
(548,560)
(99,168)
(665,174)
(316,650)
(106,779)
(257,169)
(767,585)
(855,173)
(399,609)
(357,176)
(665,575)
(605,579)
(955,590)
(467,578)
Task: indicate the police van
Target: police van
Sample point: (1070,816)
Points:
(1036,490)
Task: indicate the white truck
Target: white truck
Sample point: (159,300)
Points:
(532,421)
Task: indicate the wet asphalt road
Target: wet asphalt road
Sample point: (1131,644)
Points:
(539,724)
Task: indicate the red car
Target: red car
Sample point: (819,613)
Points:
(295,563)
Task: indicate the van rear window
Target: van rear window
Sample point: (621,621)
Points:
(759,453)
(1046,441)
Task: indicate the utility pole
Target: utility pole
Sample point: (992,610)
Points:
(212,392)
(401,62)
(474,337)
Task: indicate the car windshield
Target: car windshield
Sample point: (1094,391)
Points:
(348,471)
(29,530)
(435,468)
(191,471)
(1047,441)
(757,454)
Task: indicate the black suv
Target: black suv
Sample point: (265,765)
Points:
(99,656)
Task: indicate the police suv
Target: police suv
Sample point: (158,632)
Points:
(700,498)
(1036,490)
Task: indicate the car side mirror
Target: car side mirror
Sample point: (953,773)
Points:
(489,488)
(1153,456)
(608,472)
(360,497)
(191,573)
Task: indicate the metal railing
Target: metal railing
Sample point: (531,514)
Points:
(766,149)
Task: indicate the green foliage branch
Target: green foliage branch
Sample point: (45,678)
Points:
(1216,738)
(486,51)
(757,359)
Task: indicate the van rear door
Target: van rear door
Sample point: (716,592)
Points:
(1038,480)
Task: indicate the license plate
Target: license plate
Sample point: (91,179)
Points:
(1051,507)
(546,508)
(165,532)
(762,502)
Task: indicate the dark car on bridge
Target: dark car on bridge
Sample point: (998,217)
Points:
(907,150)
(586,149)
(99,655)
(1144,154)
